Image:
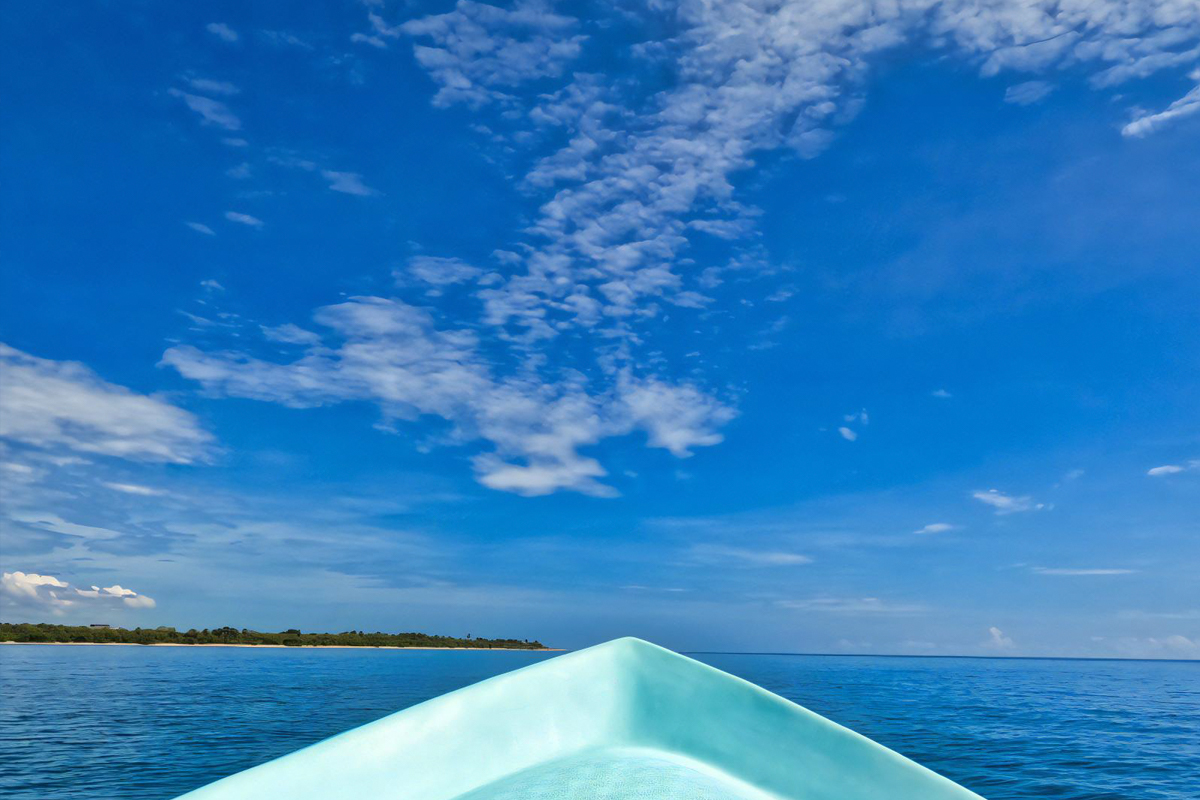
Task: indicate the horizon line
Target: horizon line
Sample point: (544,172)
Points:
(932,655)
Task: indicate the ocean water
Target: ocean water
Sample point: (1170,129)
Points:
(148,723)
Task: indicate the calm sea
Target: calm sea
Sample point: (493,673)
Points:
(152,722)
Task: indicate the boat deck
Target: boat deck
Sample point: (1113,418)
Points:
(618,773)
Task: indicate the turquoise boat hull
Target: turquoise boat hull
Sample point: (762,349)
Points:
(622,720)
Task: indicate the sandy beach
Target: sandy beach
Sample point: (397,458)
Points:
(296,647)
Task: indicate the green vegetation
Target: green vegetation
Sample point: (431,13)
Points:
(45,632)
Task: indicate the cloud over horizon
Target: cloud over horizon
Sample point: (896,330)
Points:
(30,591)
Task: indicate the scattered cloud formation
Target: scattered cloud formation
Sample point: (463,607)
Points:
(635,210)
(243,219)
(1007,504)
(222,31)
(477,51)
(1028,93)
(395,355)
(62,405)
(47,593)
(212,112)
(640,175)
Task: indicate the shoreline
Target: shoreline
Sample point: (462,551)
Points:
(297,646)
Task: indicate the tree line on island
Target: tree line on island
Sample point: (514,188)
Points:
(103,634)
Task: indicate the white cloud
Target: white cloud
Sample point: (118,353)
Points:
(200,227)
(243,219)
(936,527)
(997,640)
(52,522)
(64,405)
(348,183)
(233,141)
(127,597)
(477,50)
(290,334)
(543,476)
(222,31)
(212,285)
(1074,571)
(633,587)
(47,593)
(1173,469)
(212,112)
(394,355)
(440,271)
(1028,93)
(208,86)
(1147,123)
(339,181)
(1006,504)
(363,38)
(847,434)
(853,606)
(133,488)
(718,554)
(675,417)
(941,394)
(20,584)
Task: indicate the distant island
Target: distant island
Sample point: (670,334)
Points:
(47,633)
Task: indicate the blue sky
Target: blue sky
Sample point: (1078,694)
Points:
(817,327)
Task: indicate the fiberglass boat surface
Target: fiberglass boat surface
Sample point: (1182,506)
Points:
(625,720)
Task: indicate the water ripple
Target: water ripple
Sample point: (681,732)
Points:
(131,723)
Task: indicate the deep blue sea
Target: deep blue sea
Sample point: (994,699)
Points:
(148,723)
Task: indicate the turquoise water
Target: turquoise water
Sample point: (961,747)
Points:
(150,723)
